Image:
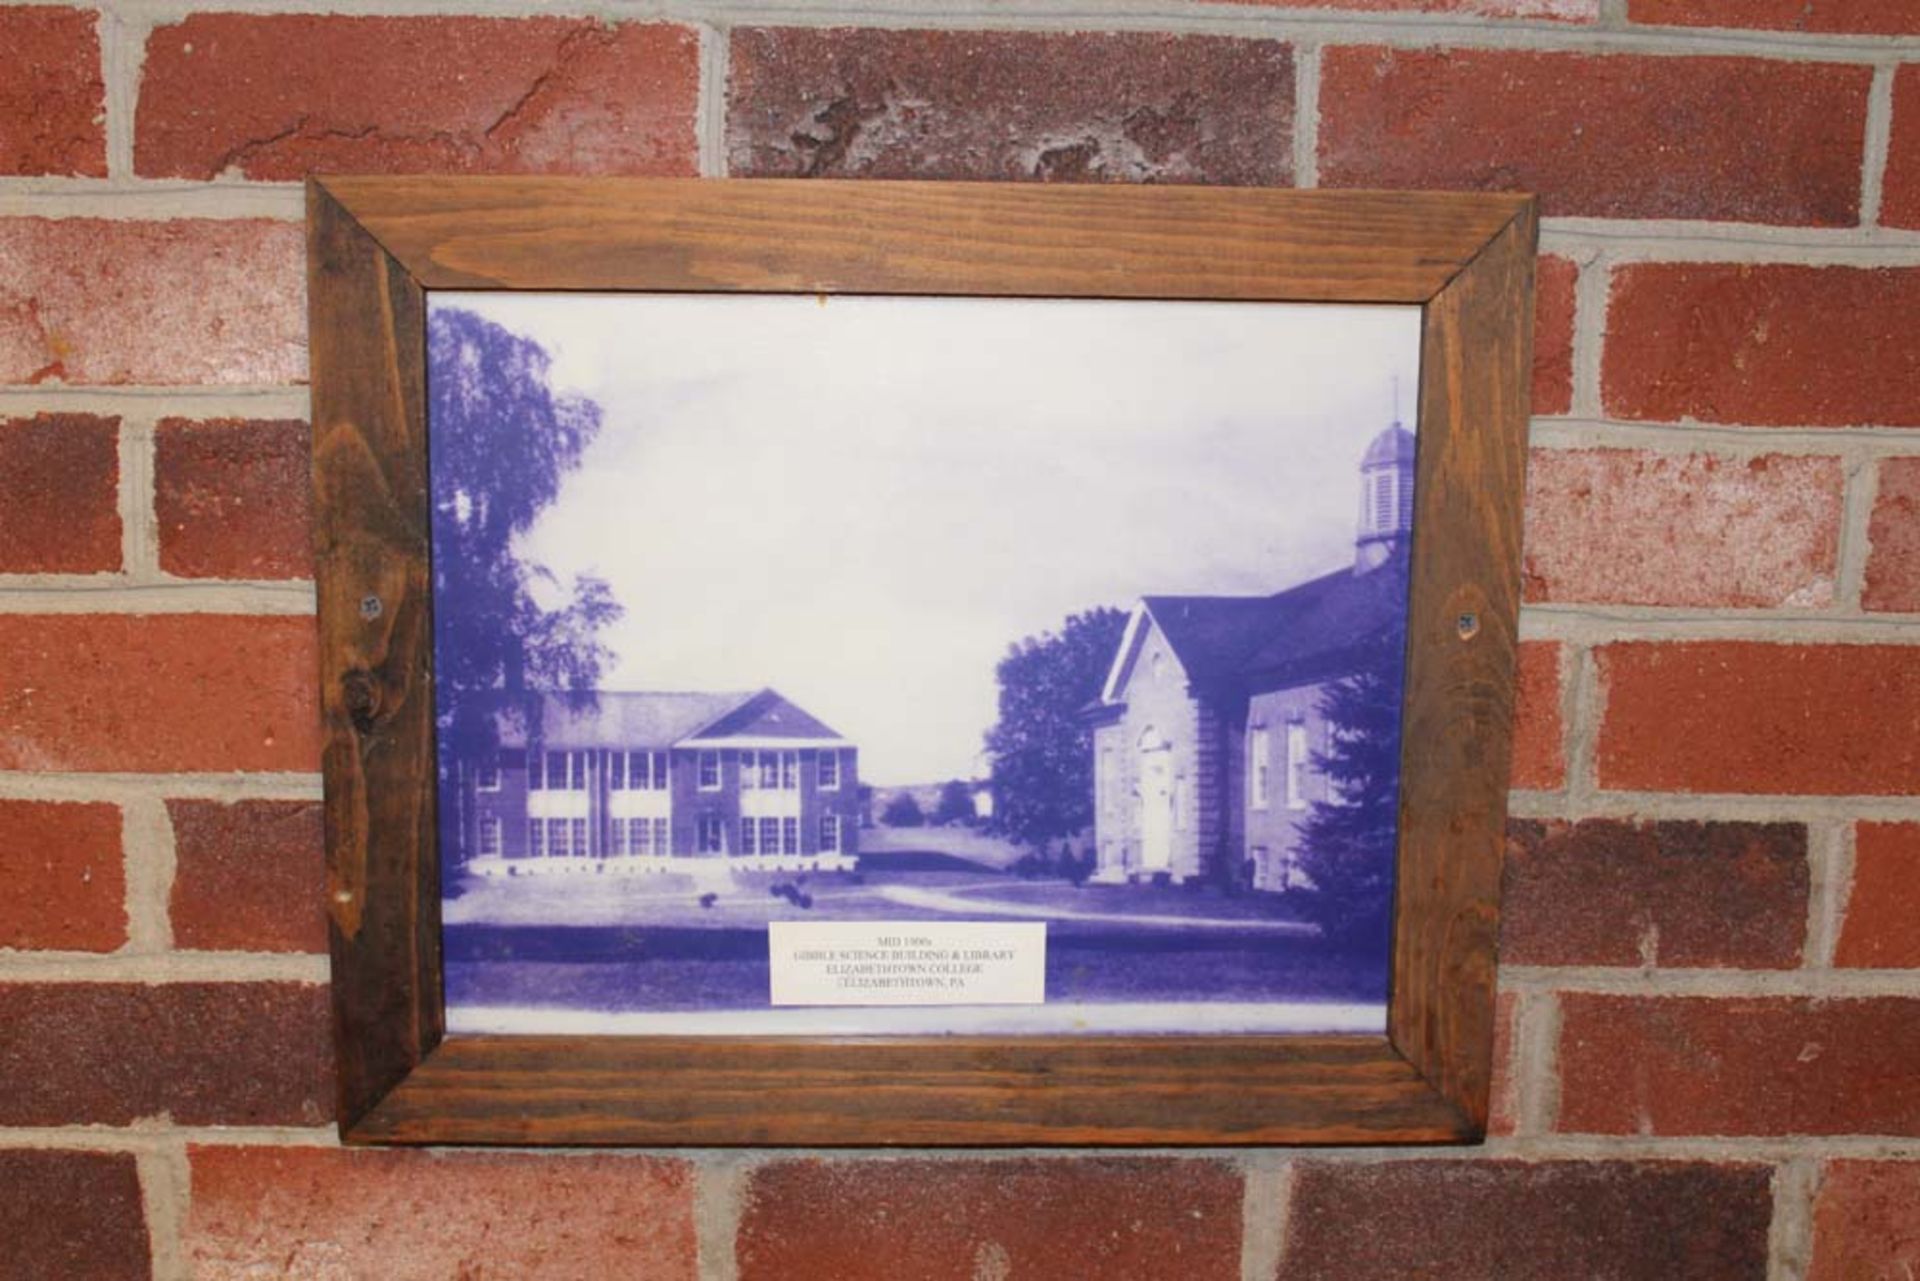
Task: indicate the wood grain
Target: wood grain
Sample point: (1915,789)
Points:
(367,318)
(376,244)
(1475,362)
(1083,1091)
(796,236)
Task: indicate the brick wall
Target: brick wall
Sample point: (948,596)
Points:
(1711,994)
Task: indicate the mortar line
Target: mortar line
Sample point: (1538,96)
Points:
(1306,116)
(1876,145)
(163,967)
(1537,1063)
(1607,624)
(122,41)
(1714,807)
(152,1136)
(1840,857)
(139,525)
(1581,723)
(1591,289)
(1266,1206)
(150,404)
(711,110)
(719,1201)
(1728,441)
(1654,983)
(1856,529)
(1790,1234)
(67,785)
(151,861)
(128,595)
(166,1182)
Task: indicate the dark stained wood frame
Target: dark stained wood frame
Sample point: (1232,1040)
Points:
(376,245)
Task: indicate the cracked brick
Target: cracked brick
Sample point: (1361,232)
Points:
(262,96)
(983,104)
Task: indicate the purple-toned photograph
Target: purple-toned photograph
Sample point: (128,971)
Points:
(862,665)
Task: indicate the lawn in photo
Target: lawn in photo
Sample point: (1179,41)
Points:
(1082,614)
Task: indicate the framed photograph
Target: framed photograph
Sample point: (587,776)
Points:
(907,663)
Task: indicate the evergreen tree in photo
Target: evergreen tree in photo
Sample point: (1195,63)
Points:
(1041,749)
(1349,842)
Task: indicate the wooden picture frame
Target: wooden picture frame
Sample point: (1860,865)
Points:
(377,245)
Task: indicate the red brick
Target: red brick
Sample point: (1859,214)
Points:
(288,1211)
(53,102)
(201,1053)
(1539,760)
(75,1216)
(261,96)
(1548,10)
(1763,344)
(104,301)
(250,877)
(998,104)
(1900,185)
(63,879)
(1633,527)
(1737,716)
(1626,1220)
(1882,926)
(1720,1065)
(1893,536)
(59,494)
(1608,892)
(1553,307)
(1136,1218)
(1842,17)
(159,692)
(234,499)
(1866,1221)
(1601,135)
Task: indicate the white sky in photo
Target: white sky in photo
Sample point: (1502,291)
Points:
(862,502)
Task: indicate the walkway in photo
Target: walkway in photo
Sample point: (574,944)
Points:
(961,904)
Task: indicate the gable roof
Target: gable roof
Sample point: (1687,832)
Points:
(766,715)
(653,718)
(627,718)
(1270,642)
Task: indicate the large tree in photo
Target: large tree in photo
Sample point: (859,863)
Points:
(1041,749)
(501,443)
(1349,842)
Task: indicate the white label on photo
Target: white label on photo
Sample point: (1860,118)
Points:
(908,962)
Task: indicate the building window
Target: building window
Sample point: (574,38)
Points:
(789,771)
(489,838)
(746,836)
(829,771)
(646,771)
(616,771)
(662,836)
(536,837)
(581,846)
(566,771)
(790,835)
(617,837)
(712,834)
(770,836)
(636,832)
(557,843)
(829,833)
(487,776)
(1383,504)
(1298,762)
(536,776)
(709,771)
(1259,763)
